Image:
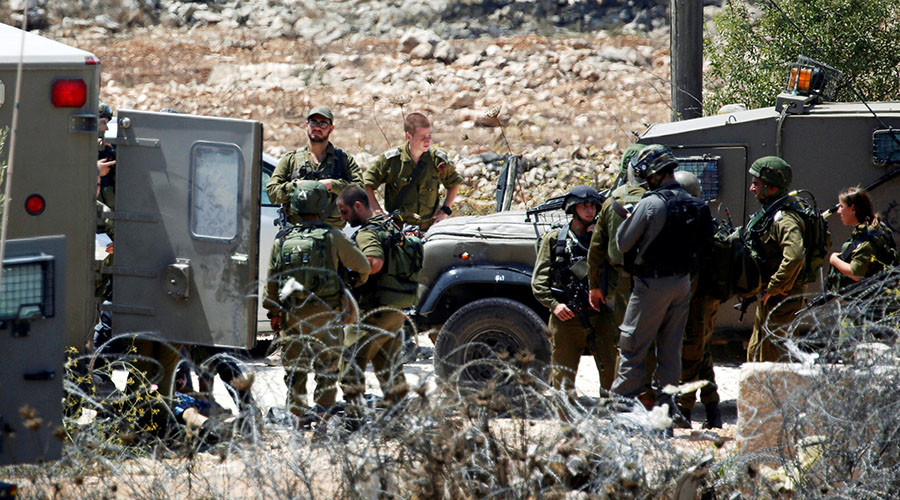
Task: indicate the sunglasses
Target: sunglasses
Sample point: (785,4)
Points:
(318,123)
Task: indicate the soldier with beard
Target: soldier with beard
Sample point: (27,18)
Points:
(319,161)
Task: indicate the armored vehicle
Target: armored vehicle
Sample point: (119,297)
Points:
(476,280)
(47,258)
(186,229)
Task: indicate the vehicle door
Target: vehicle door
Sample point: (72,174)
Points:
(186,228)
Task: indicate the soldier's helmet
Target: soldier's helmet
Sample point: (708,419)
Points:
(653,159)
(772,170)
(581,194)
(630,152)
(689,182)
(309,198)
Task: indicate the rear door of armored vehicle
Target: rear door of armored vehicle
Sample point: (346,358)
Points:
(187,228)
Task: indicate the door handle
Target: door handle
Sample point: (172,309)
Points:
(240,258)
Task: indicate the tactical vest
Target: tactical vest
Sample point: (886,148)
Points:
(569,261)
(886,254)
(305,255)
(397,282)
(674,250)
(816,237)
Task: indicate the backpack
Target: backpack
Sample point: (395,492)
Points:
(305,255)
(734,269)
(404,253)
(816,237)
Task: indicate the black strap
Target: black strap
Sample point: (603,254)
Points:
(339,165)
(619,209)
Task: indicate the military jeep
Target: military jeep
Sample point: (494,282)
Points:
(475,287)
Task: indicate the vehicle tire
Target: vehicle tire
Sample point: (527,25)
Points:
(474,342)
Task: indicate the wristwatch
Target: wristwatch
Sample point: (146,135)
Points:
(446,210)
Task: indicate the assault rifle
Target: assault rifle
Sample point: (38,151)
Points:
(574,294)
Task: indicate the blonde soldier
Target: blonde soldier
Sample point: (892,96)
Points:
(304,296)
(412,175)
(319,160)
(389,289)
(559,282)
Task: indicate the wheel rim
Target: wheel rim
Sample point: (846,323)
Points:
(480,360)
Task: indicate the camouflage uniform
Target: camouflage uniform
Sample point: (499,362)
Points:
(420,203)
(569,338)
(378,339)
(301,164)
(696,358)
(781,259)
(312,327)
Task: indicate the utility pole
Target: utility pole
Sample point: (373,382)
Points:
(686,49)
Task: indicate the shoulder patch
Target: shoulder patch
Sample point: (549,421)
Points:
(390,153)
(442,155)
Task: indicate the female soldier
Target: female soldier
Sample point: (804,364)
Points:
(871,246)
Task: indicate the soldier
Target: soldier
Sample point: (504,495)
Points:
(609,283)
(389,289)
(870,247)
(411,174)
(560,283)
(776,236)
(319,160)
(696,358)
(304,296)
(660,241)
(106,161)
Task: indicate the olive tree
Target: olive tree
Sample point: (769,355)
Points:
(754,42)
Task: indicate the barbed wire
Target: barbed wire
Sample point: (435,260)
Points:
(827,426)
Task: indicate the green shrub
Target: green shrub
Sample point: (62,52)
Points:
(755,42)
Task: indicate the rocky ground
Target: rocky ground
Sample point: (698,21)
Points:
(573,84)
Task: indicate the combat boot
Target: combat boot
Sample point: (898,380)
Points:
(713,416)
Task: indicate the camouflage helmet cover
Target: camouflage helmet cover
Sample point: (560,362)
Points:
(772,170)
(581,194)
(653,159)
(309,198)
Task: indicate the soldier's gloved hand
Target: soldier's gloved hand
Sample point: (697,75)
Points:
(563,312)
(595,298)
(275,322)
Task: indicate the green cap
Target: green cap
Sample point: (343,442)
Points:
(772,170)
(322,111)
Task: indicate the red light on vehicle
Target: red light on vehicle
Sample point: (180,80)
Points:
(91,60)
(35,205)
(69,93)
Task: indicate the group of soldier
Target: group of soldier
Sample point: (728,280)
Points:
(643,254)
(321,188)
(627,277)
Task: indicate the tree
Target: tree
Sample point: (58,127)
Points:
(756,41)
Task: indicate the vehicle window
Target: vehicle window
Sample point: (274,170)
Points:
(263,196)
(215,192)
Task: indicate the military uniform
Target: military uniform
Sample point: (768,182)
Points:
(569,338)
(696,358)
(419,202)
(781,256)
(301,164)
(378,339)
(868,251)
(312,327)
